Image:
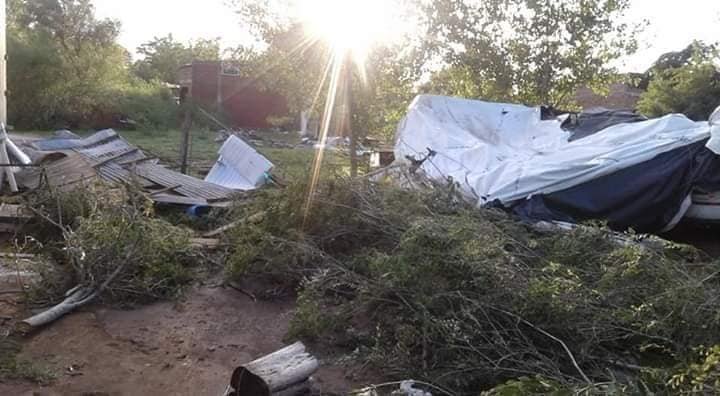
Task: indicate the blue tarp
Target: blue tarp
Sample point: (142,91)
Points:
(645,197)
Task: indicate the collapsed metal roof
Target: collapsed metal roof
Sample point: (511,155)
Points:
(108,156)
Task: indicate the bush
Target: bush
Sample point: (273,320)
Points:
(431,288)
(115,244)
(150,104)
(692,89)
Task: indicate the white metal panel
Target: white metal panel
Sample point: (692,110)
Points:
(239,167)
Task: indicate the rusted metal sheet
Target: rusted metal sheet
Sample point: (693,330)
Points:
(112,158)
(61,174)
(189,186)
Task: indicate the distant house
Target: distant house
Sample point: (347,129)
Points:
(218,87)
(621,97)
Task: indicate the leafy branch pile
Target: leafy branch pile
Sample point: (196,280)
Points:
(112,246)
(472,300)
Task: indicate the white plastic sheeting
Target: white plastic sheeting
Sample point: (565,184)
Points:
(714,142)
(239,167)
(506,152)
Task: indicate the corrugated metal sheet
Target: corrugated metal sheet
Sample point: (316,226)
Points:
(239,167)
(61,174)
(114,159)
(189,186)
(64,141)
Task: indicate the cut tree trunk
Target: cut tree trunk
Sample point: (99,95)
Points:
(76,298)
(283,373)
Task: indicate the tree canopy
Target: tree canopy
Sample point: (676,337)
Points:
(161,57)
(686,82)
(67,69)
(529,51)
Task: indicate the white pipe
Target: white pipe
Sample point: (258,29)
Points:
(3,62)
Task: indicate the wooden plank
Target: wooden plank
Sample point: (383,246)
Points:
(205,243)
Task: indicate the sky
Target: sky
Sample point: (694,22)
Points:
(673,23)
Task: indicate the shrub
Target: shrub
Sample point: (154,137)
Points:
(115,240)
(431,288)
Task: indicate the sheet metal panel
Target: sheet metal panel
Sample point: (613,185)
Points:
(190,186)
(239,167)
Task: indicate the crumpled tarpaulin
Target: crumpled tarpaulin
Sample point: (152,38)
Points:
(504,153)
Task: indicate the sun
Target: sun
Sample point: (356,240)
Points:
(350,26)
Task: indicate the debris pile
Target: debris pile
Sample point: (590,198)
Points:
(426,286)
(615,166)
(67,160)
(111,249)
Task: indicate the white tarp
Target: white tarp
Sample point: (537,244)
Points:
(506,152)
(239,167)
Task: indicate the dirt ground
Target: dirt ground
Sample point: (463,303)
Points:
(180,348)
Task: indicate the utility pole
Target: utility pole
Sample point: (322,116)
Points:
(348,111)
(3,62)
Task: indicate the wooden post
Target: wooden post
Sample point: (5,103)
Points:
(347,116)
(285,372)
(185,144)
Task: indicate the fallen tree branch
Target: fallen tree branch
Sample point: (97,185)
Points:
(552,337)
(241,290)
(75,298)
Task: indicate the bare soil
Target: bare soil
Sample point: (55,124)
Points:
(170,348)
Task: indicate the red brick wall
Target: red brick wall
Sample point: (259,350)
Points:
(243,103)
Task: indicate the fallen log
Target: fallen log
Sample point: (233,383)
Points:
(74,298)
(77,298)
(283,373)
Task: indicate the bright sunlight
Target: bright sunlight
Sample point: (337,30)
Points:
(351,25)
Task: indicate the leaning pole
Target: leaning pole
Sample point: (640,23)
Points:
(3,62)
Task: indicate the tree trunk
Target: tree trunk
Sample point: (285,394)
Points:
(348,113)
(283,373)
(76,298)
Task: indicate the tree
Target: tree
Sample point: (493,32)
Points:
(529,51)
(66,69)
(299,68)
(676,59)
(163,56)
(685,82)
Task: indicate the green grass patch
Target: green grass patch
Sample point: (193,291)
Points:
(13,368)
(290,163)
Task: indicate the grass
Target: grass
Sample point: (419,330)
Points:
(289,163)
(12,368)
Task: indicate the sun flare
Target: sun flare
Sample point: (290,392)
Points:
(352,26)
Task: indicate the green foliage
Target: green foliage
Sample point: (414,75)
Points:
(12,368)
(430,288)
(699,377)
(150,104)
(155,254)
(552,49)
(114,244)
(162,57)
(67,70)
(687,83)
